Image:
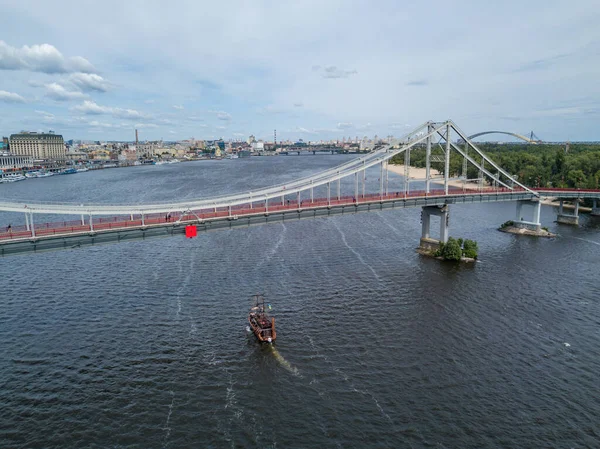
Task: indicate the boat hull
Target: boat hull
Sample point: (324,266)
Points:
(264,334)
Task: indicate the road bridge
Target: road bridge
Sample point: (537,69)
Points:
(96,223)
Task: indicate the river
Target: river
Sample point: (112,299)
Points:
(144,344)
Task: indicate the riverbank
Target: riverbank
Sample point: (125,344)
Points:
(554,202)
(418,174)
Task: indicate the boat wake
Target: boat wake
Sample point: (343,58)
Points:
(586,240)
(283,362)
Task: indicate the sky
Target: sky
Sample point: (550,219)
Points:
(311,69)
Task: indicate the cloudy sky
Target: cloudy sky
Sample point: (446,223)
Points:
(310,69)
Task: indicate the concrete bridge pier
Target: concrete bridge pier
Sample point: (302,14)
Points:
(568,218)
(534,224)
(427,243)
(595,208)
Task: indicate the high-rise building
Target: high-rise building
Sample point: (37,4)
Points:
(39,145)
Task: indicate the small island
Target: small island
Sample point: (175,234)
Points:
(458,250)
(518,228)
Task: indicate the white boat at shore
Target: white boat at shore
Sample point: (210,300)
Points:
(13,178)
(82,169)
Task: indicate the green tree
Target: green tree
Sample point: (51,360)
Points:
(470,249)
(576,178)
(452,250)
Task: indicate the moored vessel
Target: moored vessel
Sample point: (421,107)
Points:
(262,325)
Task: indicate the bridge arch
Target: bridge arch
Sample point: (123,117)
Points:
(518,136)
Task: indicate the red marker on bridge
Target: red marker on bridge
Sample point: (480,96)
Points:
(191,231)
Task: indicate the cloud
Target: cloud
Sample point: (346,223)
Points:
(59,93)
(178,107)
(223,116)
(149,101)
(333,72)
(193,118)
(172,132)
(399,126)
(89,82)
(97,124)
(304,130)
(298,105)
(91,108)
(418,83)
(145,125)
(11,97)
(345,125)
(130,114)
(41,58)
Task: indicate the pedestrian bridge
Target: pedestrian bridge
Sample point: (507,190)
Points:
(85,224)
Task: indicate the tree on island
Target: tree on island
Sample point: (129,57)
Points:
(451,250)
(455,249)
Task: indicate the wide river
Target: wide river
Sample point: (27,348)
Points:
(144,344)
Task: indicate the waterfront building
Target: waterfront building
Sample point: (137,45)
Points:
(15,162)
(42,146)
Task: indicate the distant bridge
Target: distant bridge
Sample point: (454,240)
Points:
(533,139)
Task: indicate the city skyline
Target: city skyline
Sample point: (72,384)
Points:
(312,71)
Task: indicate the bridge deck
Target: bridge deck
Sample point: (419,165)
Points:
(73,233)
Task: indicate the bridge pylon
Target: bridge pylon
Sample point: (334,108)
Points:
(595,208)
(427,243)
(532,225)
(570,219)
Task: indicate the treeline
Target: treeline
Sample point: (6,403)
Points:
(542,165)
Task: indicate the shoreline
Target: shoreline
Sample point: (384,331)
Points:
(418,174)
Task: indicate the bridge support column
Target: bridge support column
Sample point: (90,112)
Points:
(595,208)
(534,224)
(427,243)
(428,159)
(568,218)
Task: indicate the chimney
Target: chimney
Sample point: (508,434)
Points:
(136,137)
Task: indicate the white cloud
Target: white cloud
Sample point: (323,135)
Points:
(345,125)
(149,101)
(223,116)
(130,114)
(59,93)
(145,125)
(89,82)
(399,126)
(178,107)
(333,72)
(97,124)
(11,97)
(41,58)
(91,108)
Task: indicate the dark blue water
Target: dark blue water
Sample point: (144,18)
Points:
(144,344)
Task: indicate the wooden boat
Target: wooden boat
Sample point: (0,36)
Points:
(261,323)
